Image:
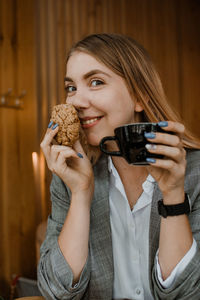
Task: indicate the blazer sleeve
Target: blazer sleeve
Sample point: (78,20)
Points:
(55,276)
(187,285)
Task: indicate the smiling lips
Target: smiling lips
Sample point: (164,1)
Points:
(89,121)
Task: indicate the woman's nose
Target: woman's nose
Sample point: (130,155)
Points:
(80,101)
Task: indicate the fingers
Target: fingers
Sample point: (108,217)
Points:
(79,149)
(172,126)
(52,130)
(178,170)
(166,144)
(173,140)
(176,153)
(59,156)
(63,151)
(163,138)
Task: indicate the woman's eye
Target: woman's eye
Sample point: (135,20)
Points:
(96,82)
(70,88)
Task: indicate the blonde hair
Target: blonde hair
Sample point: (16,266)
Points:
(130,60)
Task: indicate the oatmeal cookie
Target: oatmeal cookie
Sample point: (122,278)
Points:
(66,117)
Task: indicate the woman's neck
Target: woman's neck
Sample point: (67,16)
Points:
(122,166)
(132,178)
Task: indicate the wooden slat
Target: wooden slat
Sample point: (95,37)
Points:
(69,27)
(83,18)
(52,52)
(28,142)
(91,16)
(61,51)
(8,157)
(42,65)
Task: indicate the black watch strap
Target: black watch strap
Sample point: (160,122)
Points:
(174,210)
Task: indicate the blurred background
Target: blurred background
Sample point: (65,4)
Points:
(35,36)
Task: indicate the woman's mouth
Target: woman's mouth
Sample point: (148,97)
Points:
(89,122)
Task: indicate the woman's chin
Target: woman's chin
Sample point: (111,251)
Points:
(94,143)
(93,140)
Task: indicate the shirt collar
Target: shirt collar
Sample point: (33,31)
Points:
(147,185)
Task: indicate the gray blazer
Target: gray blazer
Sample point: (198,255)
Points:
(96,281)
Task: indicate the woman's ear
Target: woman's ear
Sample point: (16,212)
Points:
(138,107)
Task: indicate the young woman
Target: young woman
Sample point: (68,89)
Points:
(105,238)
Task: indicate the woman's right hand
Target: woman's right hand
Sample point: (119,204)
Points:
(75,171)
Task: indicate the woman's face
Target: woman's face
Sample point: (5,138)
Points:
(100,96)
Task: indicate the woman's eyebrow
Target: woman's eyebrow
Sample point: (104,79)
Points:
(68,79)
(89,74)
(94,72)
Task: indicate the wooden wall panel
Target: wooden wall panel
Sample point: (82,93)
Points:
(18,215)
(9,132)
(188,28)
(30,206)
(155,27)
(35,36)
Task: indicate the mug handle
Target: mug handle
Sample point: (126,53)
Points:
(109,138)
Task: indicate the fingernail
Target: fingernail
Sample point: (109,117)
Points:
(79,155)
(54,127)
(163,123)
(150,146)
(50,124)
(149,135)
(150,160)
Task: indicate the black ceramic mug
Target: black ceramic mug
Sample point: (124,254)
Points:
(131,142)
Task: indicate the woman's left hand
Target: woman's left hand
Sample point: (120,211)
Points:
(169,171)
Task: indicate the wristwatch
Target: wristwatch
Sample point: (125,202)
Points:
(174,210)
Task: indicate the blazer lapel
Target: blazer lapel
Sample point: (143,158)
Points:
(154,230)
(101,283)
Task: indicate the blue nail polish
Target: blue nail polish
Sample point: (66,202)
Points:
(79,155)
(163,123)
(50,124)
(54,127)
(150,160)
(149,135)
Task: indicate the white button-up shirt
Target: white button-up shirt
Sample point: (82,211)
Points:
(130,239)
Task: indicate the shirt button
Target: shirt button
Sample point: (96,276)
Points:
(138,292)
